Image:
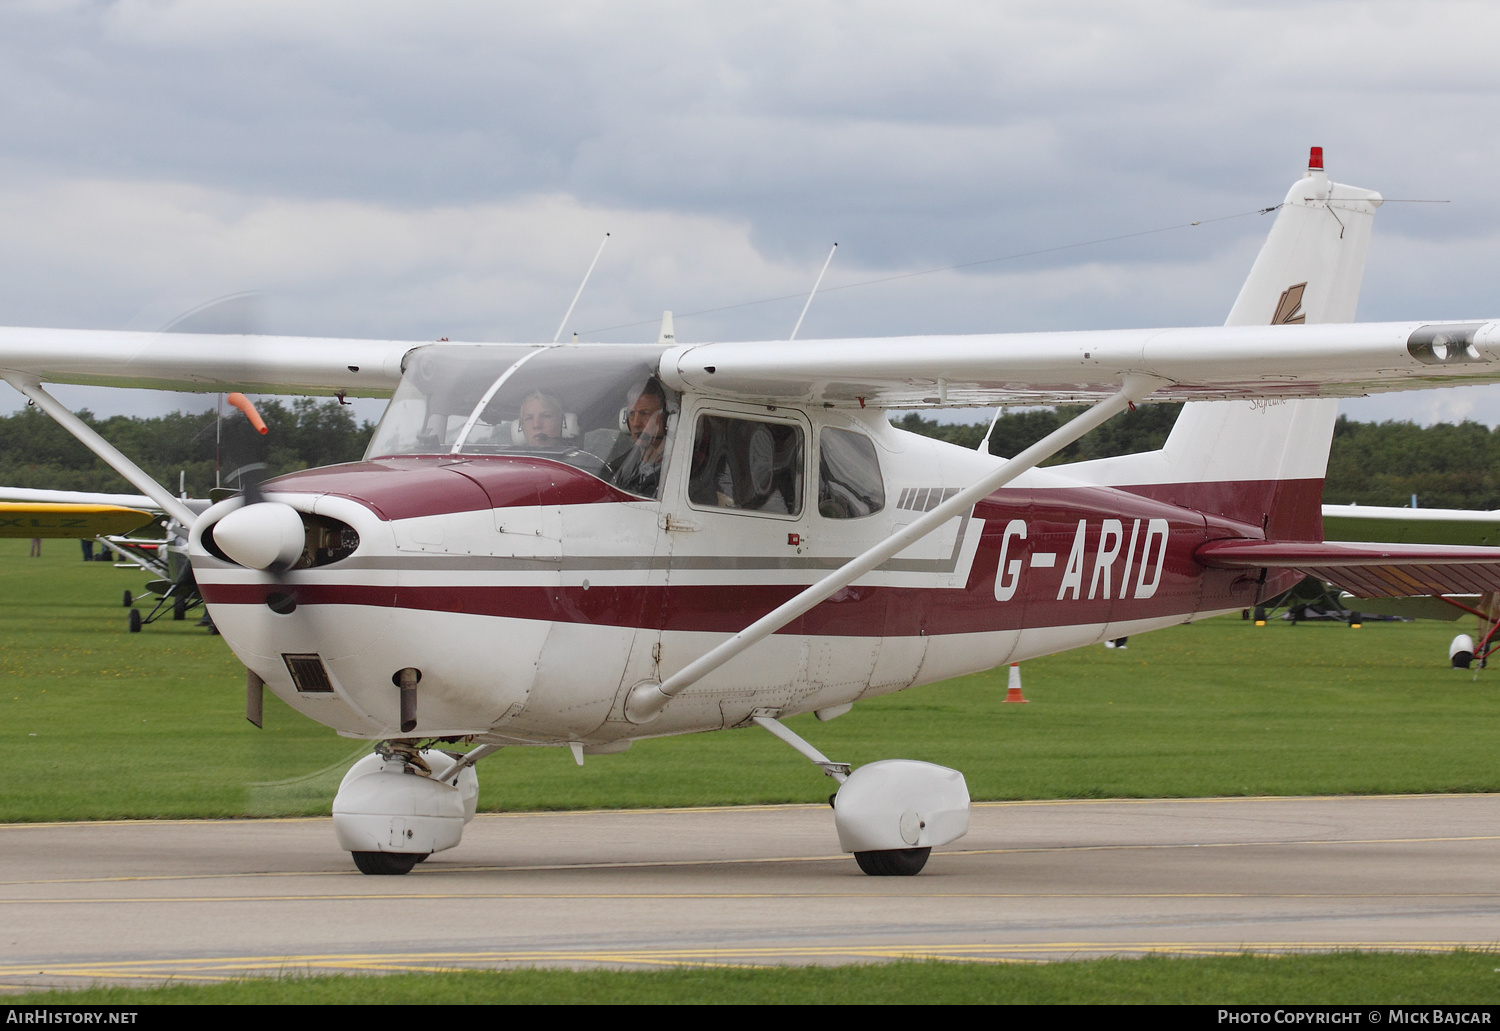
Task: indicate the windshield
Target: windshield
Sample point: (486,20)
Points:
(599,408)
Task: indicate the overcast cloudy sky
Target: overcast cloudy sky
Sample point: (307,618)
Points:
(416,170)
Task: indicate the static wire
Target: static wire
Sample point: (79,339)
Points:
(990,261)
(950,268)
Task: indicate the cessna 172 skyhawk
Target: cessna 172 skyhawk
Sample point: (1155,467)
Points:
(584,545)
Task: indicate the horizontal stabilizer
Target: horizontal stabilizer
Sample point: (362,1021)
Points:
(1365,569)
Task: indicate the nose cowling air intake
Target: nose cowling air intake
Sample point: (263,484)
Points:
(266,535)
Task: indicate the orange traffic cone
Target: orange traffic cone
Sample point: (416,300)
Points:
(1013,691)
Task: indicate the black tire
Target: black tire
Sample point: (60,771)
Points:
(129,600)
(896,862)
(135,621)
(1462,660)
(385,863)
(179,608)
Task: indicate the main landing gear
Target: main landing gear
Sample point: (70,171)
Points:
(402,803)
(889,813)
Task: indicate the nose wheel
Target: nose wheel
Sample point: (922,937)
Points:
(386,863)
(893,862)
(402,803)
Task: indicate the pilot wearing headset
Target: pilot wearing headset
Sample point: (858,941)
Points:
(636,463)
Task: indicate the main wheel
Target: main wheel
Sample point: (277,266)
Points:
(392,863)
(895,862)
(128,600)
(179,608)
(135,621)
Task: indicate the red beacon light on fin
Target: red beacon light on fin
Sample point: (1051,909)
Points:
(1315,160)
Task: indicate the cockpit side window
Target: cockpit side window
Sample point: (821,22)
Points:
(849,482)
(747,465)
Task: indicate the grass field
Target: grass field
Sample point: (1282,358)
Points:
(1365,979)
(101,723)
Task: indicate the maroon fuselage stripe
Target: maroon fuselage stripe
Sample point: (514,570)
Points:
(402,488)
(1043,598)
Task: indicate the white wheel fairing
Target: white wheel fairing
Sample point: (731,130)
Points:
(901,804)
(381,807)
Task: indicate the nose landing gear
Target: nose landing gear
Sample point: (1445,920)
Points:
(402,803)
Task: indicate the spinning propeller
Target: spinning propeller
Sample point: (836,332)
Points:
(260,534)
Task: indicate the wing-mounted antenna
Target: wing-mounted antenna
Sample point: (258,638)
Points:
(569,313)
(984,445)
(816,284)
(667,337)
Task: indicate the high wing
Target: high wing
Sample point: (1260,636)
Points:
(1205,363)
(1202,363)
(204,362)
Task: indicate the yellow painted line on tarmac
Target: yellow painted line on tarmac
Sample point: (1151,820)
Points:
(223,968)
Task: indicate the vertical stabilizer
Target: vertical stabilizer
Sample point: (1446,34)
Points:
(1263,462)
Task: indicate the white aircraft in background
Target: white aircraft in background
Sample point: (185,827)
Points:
(1424,526)
(584,545)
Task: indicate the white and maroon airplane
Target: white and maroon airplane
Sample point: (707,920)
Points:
(573,545)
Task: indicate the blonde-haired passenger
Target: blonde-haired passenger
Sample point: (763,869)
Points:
(541,420)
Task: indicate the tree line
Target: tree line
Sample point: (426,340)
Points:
(38,453)
(1444,465)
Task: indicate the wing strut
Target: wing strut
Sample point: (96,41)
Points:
(104,449)
(646,701)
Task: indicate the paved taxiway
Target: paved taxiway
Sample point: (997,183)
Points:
(209,899)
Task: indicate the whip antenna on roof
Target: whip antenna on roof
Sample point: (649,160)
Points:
(813,294)
(569,313)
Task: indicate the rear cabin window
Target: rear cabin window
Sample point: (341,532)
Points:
(747,465)
(849,481)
